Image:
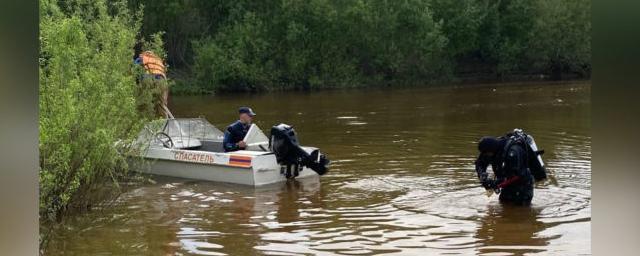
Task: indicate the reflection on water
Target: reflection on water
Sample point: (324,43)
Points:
(402,181)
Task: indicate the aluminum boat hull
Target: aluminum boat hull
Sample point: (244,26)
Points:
(253,168)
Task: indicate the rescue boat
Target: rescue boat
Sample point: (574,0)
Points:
(192,148)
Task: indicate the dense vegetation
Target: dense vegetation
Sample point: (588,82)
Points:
(89,100)
(285,44)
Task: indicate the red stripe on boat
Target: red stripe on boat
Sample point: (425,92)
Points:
(242,161)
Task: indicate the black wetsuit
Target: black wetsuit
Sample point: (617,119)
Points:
(234,133)
(511,171)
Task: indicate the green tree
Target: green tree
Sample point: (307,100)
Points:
(562,37)
(505,34)
(87,100)
(248,45)
(319,43)
(461,21)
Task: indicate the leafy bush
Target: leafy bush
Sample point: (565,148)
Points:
(562,37)
(312,44)
(88,99)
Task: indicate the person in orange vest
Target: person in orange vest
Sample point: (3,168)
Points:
(156,71)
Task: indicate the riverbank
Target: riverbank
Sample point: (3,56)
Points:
(182,86)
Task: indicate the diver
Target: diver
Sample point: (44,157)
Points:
(235,132)
(516,163)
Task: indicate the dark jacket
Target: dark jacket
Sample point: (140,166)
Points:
(506,167)
(234,133)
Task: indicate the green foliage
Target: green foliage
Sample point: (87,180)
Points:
(314,44)
(563,37)
(291,44)
(237,59)
(155,44)
(87,99)
(505,33)
(541,36)
(461,21)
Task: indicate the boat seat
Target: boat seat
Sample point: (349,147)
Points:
(212,146)
(186,143)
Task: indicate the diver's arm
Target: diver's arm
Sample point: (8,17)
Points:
(481,169)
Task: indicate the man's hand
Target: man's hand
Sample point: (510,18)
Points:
(485,181)
(489,184)
(242,144)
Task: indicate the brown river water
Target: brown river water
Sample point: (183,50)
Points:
(402,180)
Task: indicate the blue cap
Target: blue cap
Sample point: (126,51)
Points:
(246,110)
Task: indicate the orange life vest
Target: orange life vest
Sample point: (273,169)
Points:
(153,64)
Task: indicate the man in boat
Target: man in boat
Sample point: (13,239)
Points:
(235,132)
(513,178)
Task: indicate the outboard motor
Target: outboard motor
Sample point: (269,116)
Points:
(289,154)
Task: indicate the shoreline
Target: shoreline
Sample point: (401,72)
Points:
(455,83)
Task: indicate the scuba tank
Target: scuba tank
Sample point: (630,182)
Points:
(284,143)
(534,155)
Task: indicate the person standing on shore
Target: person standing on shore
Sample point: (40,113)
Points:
(155,73)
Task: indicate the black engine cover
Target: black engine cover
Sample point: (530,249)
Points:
(284,144)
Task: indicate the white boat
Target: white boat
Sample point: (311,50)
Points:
(192,148)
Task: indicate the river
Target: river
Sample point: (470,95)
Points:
(401,182)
